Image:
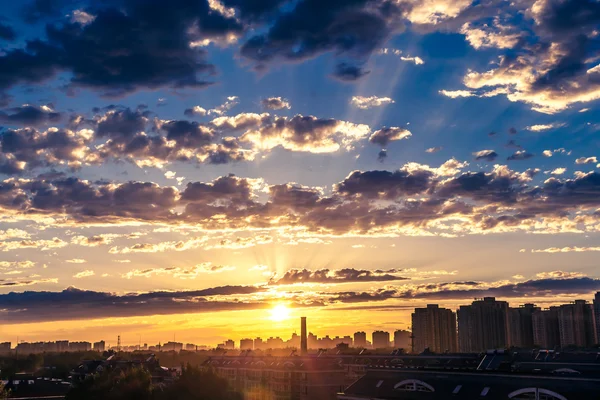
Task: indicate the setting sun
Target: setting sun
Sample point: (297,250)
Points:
(280,312)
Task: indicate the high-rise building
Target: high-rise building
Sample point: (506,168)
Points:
(434,328)
(229,344)
(303,337)
(246,344)
(100,346)
(597,315)
(5,347)
(483,325)
(521,325)
(576,324)
(546,333)
(402,340)
(381,340)
(259,344)
(360,339)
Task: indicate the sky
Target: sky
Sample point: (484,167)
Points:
(177,169)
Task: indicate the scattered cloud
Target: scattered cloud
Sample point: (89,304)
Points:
(365,103)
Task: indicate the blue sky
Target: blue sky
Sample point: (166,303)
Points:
(437,150)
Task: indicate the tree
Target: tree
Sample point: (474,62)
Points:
(197,384)
(3,392)
(115,384)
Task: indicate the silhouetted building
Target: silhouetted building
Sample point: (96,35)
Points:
(576,324)
(521,325)
(360,339)
(402,340)
(172,346)
(434,328)
(258,344)
(246,344)
(100,346)
(597,315)
(303,337)
(269,378)
(381,340)
(483,325)
(5,347)
(546,333)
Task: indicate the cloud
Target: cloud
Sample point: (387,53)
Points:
(76,261)
(7,32)
(74,304)
(586,160)
(558,171)
(349,73)
(571,249)
(180,245)
(498,36)
(487,155)
(416,60)
(94,56)
(241,242)
(196,110)
(231,102)
(365,103)
(334,276)
(544,127)
(547,153)
(520,155)
(295,35)
(275,103)
(15,265)
(178,272)
(84,274)
(25,282)
(29,115)
(453,94)
(42,244)
(434,149)
(384,136)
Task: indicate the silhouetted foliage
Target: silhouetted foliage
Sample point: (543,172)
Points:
(197,384)
(134,383)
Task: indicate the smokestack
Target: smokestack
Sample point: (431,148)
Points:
(303,338)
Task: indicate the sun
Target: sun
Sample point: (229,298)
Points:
(280,313)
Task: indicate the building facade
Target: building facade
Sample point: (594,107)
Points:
(434,328)
(576,324)
(521,325)
(546,333)
(381,340)
(402,340)
(360,339)
(483,325)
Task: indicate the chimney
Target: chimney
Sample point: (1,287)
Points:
(303,339)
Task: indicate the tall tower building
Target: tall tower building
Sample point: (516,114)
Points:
(576,324)
(434,328)
(303,337)
(483,325)
(402,340)
(545,328)
(597,315)
(381,340)
(360,339)
(521,325)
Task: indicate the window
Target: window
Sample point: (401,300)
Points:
(413,385)
(535,394)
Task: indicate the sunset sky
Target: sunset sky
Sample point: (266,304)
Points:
(179,168)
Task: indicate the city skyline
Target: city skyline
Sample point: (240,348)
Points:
(216,168)
(486,324)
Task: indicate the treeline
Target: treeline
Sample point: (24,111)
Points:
(136,384)
(59,365)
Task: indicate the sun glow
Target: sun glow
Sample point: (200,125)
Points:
(280,313)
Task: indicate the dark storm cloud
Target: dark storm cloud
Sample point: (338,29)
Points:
(74,303)
(128,45)
(29,115)
(334,276)
(348,73)
(385,184)
(352,28)
(7,32)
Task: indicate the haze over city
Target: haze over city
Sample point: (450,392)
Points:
(213,170)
